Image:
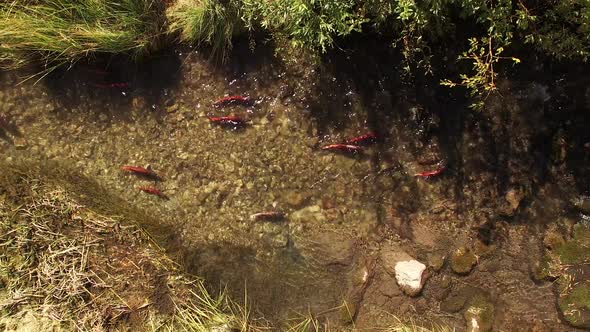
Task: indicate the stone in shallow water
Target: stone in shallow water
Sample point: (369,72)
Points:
(328,248)
(575,305)
(309,214)
(436,261)
(514,197)
(463,260)
(479,315)
(410,276)
(20,143)
(583,204)
(295,199)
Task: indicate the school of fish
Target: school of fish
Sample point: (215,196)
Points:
(352,146)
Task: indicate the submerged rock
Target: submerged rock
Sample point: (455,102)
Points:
(583,204)
(569,261)
(436,261)
(309,214)
(328,248)
(479,314)
(463,260)
(295,199)
(476,305)
(514,197)
(138,103)
(20,143)
(511,203)
(410,276)
(575,305)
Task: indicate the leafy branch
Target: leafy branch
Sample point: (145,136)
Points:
(484,55)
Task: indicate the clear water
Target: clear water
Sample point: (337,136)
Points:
(345,213)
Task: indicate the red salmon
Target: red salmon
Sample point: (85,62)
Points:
(428,174)
(234,100)
(366,139)
(347,148)
(153,191)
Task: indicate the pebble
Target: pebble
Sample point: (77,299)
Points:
(514,197)
(295,199)
(20,143)
(436,261)
(479,315)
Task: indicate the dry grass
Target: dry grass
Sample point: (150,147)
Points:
(410,325)
(66,266)
(85,271)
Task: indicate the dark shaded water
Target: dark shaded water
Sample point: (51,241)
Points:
(347,214)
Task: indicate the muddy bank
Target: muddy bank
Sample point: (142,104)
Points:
(512,173)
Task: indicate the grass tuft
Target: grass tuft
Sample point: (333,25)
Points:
(206,22)
(57,32)
(410,325)
(63,263)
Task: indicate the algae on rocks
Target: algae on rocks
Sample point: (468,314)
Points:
(570,262)
(479,315)
(463,260)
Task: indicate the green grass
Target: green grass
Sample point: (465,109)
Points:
(206,22)
(201,312)
(58,32)
(310,25)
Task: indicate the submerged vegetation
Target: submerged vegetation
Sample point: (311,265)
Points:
(485,33)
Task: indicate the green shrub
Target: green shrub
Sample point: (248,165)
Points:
(310,24)
(559,28)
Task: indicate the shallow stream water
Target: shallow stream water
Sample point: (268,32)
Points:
(511,171)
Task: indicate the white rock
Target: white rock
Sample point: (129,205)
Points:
(409,276)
